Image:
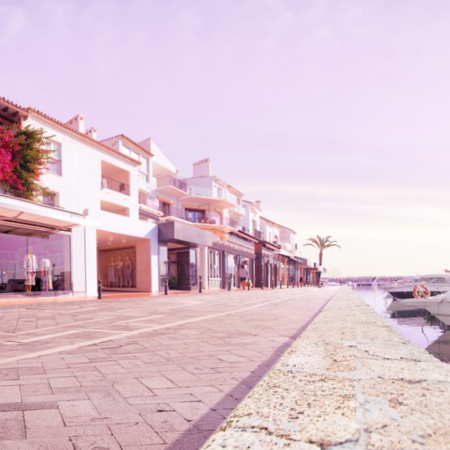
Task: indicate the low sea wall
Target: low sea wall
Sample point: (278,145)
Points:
(350,381)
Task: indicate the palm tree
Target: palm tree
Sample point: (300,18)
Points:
(321,243)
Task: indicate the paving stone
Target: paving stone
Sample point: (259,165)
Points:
(157,382)
(62,382)
(77,408)
(217,400)
(9,374)
(135,434)
(34,390)
(38,444)
(133,389)
(42,418)
(161,399)
(95,443)
(12,426)
(167,421)
(10,394)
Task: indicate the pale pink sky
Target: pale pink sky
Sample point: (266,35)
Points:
(334,114)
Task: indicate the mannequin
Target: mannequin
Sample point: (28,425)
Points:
(111,273)
(30,266)
(127,270)
(46,273)
(119,272)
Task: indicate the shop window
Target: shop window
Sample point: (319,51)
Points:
(34,264)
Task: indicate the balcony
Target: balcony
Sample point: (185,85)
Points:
(149,207)
(45,198)
(258,234)
(205,218)
(115,185)
(199,196)
(171,186)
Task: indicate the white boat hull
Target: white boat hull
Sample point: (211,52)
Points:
(438,306)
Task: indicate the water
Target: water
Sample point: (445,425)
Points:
(428,334)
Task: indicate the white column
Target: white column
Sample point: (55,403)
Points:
(203,266)
(84,260)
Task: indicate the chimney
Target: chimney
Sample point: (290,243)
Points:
(258,204)
(202,168)
(92,133)
(76,123)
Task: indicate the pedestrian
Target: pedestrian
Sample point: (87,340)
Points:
(243,276)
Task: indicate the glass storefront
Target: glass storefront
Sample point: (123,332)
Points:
(181,269)
(35,264)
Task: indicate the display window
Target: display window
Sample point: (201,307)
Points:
(117,267)
(35,264)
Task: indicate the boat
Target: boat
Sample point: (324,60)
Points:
(438,306)
(434,285)
(398,308)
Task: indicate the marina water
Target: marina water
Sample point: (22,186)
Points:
(419,330)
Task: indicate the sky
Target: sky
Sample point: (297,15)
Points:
(334,114)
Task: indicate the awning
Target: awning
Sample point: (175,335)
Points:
(27,218)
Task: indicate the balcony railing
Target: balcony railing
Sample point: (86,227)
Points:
(207,218)
(171,181)
(148,200)
(115,185)
(41,199)
(258,234)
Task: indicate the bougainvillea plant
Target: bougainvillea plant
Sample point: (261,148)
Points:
(23,159)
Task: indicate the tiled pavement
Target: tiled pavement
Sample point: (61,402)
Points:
(143,372)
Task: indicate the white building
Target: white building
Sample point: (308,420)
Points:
(115,212)
(89,218)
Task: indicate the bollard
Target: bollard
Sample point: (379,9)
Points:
(229,282)
(248,284)
(281,283)
(99,289)
(166,288)
(200,284)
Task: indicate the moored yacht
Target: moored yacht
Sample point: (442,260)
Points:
(438,306)
(434,285)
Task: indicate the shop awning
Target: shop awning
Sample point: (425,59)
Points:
(28,218)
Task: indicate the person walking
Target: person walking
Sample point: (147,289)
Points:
(243,276)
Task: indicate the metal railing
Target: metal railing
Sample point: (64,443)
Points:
(115,185)
(168,180)
(40,198)
(207,218)
(148,200)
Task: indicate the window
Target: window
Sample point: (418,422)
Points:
(195,215)
(54,162)
(143,168)
(49,199)
(164,208)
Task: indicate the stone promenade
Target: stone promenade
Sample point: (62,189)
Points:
(350,382)
(147,373)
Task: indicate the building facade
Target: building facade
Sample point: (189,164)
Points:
(114,213)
